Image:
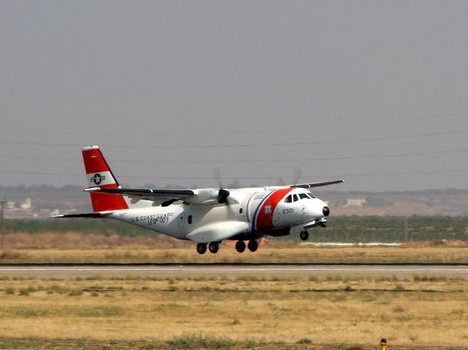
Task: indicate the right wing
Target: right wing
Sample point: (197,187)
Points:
(318,184)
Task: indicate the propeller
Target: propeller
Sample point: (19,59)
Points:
(297,174)
(223,196)
(222,193)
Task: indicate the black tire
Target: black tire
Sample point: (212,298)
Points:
(253,245)
(304,235)
(213,247)
(201,248)
(240,246)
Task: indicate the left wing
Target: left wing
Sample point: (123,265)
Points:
(165,197)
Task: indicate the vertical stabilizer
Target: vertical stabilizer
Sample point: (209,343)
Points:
(99,174)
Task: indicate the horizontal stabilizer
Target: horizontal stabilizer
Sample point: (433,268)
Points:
(84,215)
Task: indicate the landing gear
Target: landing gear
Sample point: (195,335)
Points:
(304,235)
(240,246)
(201,248)
(213,247)
(323,224)
(253,245)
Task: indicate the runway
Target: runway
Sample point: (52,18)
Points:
(65,271)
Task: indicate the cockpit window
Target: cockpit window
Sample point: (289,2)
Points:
(312,196)
(288,199)
(295,199)
(303,196)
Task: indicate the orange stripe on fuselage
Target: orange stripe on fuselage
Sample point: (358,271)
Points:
(265,214)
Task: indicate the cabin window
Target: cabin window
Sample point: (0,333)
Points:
(189,219)
(288,199)
(295,199)
(240,211)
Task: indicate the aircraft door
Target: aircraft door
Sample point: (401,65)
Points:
(252,205)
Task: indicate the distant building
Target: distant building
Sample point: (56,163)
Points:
(354,202)
(26,205)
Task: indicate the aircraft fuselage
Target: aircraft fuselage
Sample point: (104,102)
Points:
(252,213)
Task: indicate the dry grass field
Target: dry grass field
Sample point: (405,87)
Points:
(282,312)
(431,254)
(75,247)
(240,312)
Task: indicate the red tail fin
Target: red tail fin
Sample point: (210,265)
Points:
(99,174)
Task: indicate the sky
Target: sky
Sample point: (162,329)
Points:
(236,93)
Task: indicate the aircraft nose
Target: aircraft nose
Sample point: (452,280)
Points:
(326,211)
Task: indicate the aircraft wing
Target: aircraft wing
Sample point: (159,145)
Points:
(155,195)
(318,184)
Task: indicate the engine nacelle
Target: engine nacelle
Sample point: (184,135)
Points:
(209,196)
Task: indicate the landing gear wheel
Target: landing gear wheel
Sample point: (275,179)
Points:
(253,245)
(213,247)
(304,235)
(201,248)
(240,246)
(323,224)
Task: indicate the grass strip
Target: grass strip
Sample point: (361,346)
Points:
(189,341)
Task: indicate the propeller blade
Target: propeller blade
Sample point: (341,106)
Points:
(223,195)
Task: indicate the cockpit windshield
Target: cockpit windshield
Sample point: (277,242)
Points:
(300,196)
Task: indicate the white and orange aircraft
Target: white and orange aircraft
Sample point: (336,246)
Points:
(206,215)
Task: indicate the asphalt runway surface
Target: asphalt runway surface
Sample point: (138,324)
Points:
(65,271)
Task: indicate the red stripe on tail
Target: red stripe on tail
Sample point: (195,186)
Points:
(99,174)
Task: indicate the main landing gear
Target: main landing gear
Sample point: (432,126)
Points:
(304,235)
(240,246)
(201,248)
(252,245)
(213,247)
